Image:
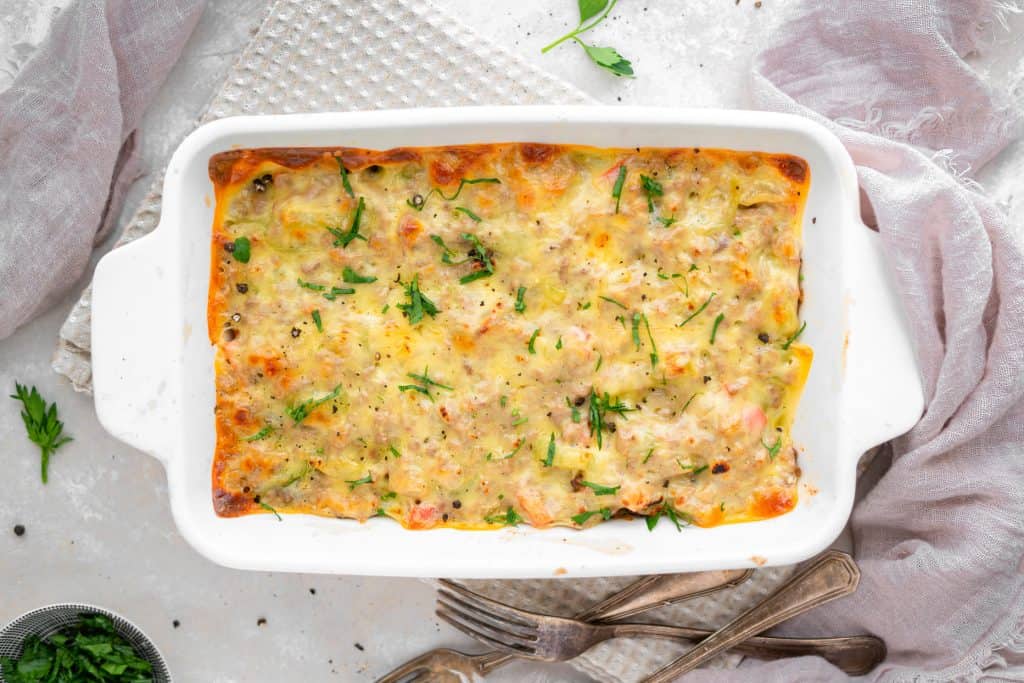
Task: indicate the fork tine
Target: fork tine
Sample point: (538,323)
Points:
(413,666)
(487,604)
(500,621)
(495,620)
(476,635)
(472,621)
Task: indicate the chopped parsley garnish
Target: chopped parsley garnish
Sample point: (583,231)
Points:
(600,359)
(503,400)
(385,309)
(270,509)
(551,451)
(338,291)
(663,276)
(509,518)
(390,495)
(352,277)
(260,435)
(472,216)
(606,514)
(692,469)
(600,490)
(446,251)
(344,178)
(519,445)
(519,420)
(677,517)
(343,239)
(785,347)
(394,451)
(425,382)
(418,304)
(481,256)
(583,307)
(687,404)
(667,222)
(311,285)
(301,411)
(419,202)
(773,450)
(597,409)
(654,347)
(699,310)
(714,328)
(558,344)
(301,474)
(617,188)
(648,456)
(242,249)
(636,330)
(533,338)
(317,321)
(352,483)
(613,301)
(574,409)
(652,188)
(41,424)
(520,305)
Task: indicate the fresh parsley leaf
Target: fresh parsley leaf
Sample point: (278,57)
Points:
(608,58)
(395,452)
(667,222)
(520,305)
(41,424)
(714,328)
(317,321)
(591,8)
(260,435)
(533,338)
(390,495)
(301,411)
(311,286)
(699,310)
(773,450)
(597,409)
(606,514)
(482,256)
(613,301)
(574,409)
(600,359)
(648,456)
(519,445)
(425,382)
(692,469)
(353,483)
(677,517)
(636,330)
(352,277)
(617,187)
(446,251)
(418,304)
(344,178)
(652,188)
(242,250)
(785,347)
(600,490)
(687,404)
(472,216)
(558,344)
(416,387)
(268,508)
(343,239)
(509,518)
(551,451)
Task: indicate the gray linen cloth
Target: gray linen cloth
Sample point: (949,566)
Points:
(66,152)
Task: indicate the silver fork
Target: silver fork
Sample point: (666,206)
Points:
(549,638)
(643,594)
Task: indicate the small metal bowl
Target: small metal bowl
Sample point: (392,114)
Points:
(46,621)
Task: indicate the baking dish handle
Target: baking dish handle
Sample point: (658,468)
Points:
(881,374)
(132,355)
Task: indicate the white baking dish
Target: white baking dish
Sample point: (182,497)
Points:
(153,363)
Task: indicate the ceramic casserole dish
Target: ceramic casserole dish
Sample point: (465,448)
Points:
(154,378)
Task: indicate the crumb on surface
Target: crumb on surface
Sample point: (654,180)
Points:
(19,529)
(758,560)
(261,622)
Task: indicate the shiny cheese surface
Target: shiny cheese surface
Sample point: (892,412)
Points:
(507,333)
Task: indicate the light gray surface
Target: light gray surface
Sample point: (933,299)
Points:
(101,531)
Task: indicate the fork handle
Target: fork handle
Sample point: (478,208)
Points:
(831,577)
(666,589)
(855,655)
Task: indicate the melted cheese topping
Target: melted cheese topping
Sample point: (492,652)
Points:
(522,346)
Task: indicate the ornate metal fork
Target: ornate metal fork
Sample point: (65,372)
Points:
(643,594)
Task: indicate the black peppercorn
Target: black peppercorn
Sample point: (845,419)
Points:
(296,332)
(764,338)
(19,530)
(242,287)
(456,504)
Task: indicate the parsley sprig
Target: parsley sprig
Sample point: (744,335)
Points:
(598,407)
(479,255)
(677,517)
(41,424)
(425,382)
(605,57)
(509,518)
(652,188)
(343,239)
(606,514)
